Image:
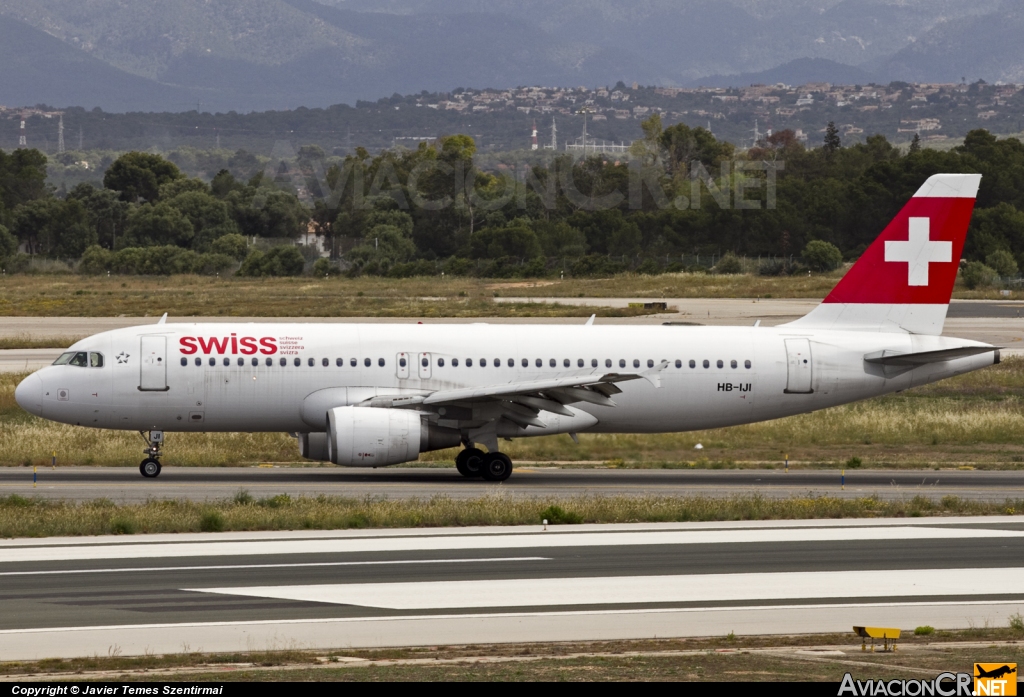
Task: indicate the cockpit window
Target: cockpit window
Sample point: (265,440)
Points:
(80,359)
(64,358)
(96,360)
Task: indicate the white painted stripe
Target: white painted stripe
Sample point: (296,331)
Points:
(528,592)
(503,615)
(493,542)
(491,530)
(63,572)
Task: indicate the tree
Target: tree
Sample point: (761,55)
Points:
(153,225)
(139,176)
(8,243)
(284,260)
(1002,262)
(915,144)
(209,216)
(232,245)
(832,142)
(977,275)
(684,146)
(22,178)
(822,256)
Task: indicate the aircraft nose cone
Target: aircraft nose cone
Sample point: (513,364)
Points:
(29,394)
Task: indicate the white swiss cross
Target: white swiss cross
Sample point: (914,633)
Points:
(918,251)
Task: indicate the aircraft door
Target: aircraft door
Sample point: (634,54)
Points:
(424,363)
(402,363)
(800,365)
(153,364)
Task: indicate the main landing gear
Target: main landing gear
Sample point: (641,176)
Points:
(150,467)
(494,467)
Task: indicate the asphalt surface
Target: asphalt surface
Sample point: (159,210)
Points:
(125,484)
(251,591)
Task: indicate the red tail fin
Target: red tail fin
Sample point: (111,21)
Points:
(903,282)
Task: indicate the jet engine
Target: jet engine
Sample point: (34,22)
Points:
(375,437)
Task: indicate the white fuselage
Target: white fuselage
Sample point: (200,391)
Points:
(790,372)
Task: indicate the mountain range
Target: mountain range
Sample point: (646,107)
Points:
(245,55)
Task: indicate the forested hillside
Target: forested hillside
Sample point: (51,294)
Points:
(434,209)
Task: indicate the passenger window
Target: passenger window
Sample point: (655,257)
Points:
(511,362)
(338,362)
(380,362)
(469,362)
(732,364)
(650,363)
(311,362)
(636,363)
(366,362)
(719,363)
(607,362)
(283,362)
(579,362)
(227,361)
(440,362)
(401,362)
(622,362)
(184,361)
(746,364)
(497,362)
(707,363)
(199,361)
(679,363)
(455,362)
(425,362)
(270,362)
(80,359)
(565,363)
(552,362)
(352,362)
(63,358)
(483,362)
(241,361)
(255,362)
(96,360)
(526,362)
(539,363)
(593,362)
(693,363)
(297,361)
(213,362)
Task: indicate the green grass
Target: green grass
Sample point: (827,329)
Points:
(37,517)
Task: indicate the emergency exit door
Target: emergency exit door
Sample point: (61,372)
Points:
(153,364)
(800,366)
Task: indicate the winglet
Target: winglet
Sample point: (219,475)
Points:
(653,375)
(590,321)
(163,319)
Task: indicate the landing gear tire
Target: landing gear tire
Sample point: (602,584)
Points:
(150,468)
(470,462)
(497,467)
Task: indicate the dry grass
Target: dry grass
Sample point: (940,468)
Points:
(975,419)
(735,658)
(35,517)
(185,296)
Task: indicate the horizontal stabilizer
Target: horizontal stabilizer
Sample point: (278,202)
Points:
(893,358)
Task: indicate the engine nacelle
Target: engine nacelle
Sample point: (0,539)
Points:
(374,437)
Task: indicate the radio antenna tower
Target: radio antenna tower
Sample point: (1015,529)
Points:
(554,135)
(22,140)
(60,134)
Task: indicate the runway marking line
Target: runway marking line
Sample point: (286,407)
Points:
(62,572)
(668,588)
(493,542)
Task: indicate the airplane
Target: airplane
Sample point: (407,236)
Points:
(371,395)
(994,673)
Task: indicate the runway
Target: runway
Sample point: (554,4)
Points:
(125,484)
(376,588)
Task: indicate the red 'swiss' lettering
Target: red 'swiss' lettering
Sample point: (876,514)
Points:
(248,345)
(233,344)
(208,345)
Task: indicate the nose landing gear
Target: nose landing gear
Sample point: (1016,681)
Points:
(150,467)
